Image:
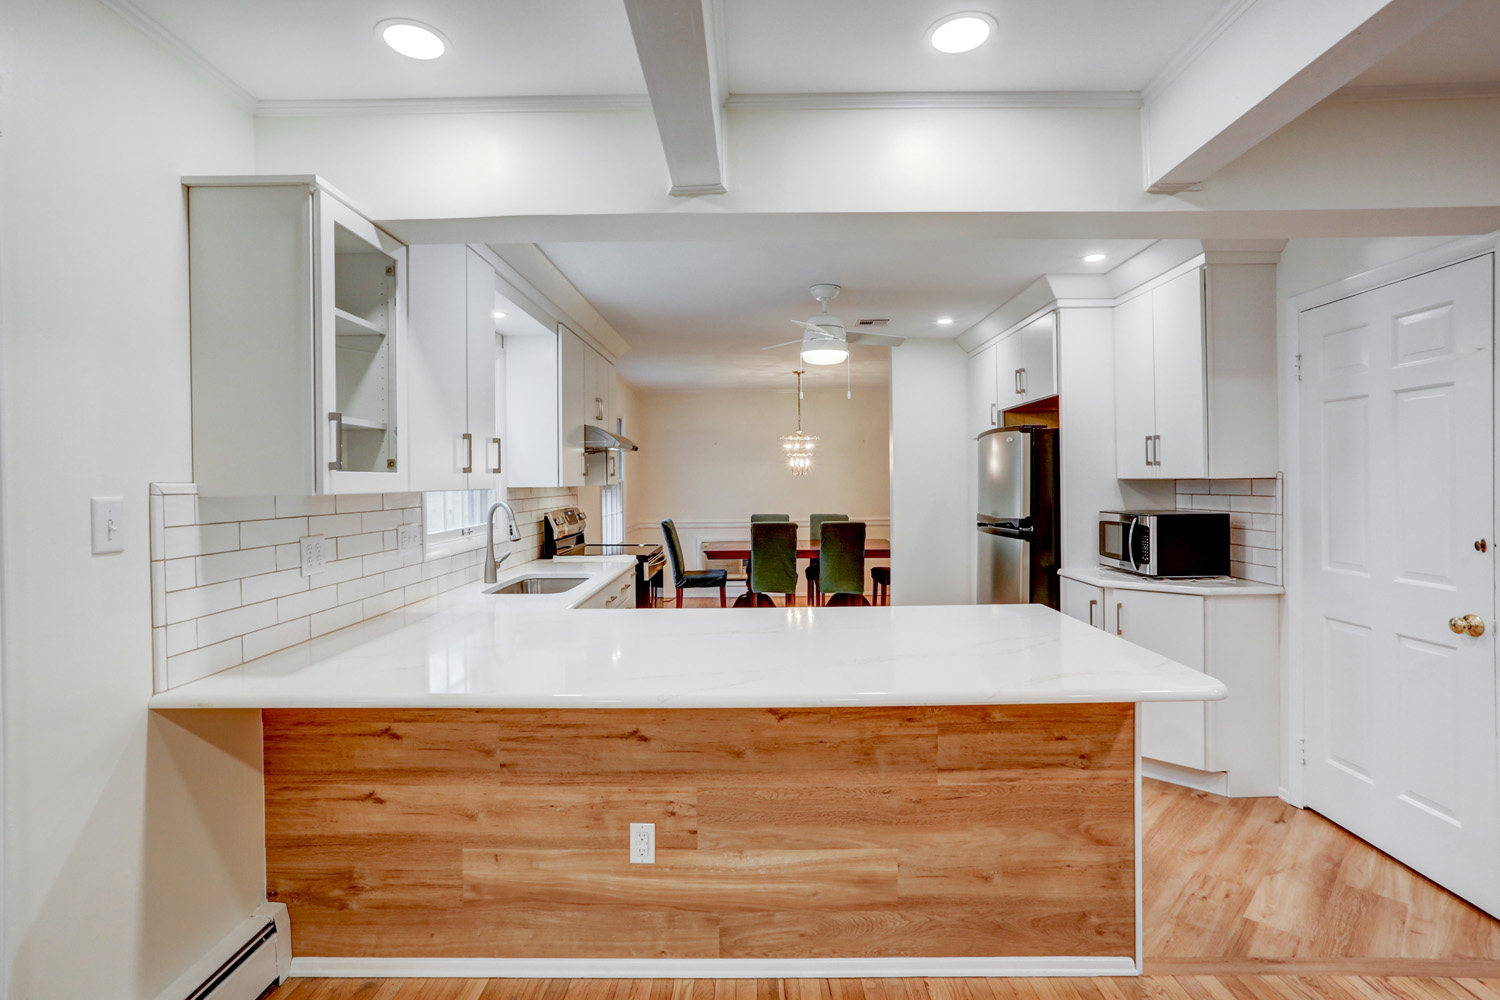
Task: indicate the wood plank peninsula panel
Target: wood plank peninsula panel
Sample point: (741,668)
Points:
(792,833)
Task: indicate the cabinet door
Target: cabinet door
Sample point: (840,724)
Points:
(485,446)
(1039,358)
(1181,402)
(1135,389)
(984,413)
(1009,359)
(1082,601)
(435,369)
(1172,626)
(572,388)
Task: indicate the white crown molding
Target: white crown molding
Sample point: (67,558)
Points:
(453,105)
(1189,53)
(155,30)
(938,100)
(1416,92)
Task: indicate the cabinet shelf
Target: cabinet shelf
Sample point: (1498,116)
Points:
(356,334)
(361,424)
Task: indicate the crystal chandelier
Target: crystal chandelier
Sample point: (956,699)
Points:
(799,445)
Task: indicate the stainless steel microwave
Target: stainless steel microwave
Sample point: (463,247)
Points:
(1165,543)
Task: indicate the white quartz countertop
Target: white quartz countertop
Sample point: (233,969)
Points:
(1098,576)
(466,649)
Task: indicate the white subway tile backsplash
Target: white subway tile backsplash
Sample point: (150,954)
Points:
(1230,486)
(1266,487)
(234,565)
(280,531)
(226,572)
(1254,507)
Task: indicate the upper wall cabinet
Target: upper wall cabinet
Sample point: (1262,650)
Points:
(450,370)
(1195,376)
(1017,369)
(296,307)
(554,386)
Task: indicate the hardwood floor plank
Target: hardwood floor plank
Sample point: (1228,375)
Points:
(939,930)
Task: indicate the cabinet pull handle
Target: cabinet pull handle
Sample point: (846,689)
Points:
(585,457)
(1156,449)
(498,453)
(337,465)
(598,407)
(1092,605)
(1148,450)
(994,414)
(1025,382)
(469,453)
(609,464)
(1120,620)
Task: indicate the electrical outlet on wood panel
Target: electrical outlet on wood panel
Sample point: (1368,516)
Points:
(643,843)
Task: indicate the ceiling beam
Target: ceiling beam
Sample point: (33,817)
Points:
(1258,66)
(677,44)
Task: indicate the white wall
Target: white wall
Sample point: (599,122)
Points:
(932,509)
(133,841)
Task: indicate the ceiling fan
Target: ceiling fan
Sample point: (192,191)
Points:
(824,339)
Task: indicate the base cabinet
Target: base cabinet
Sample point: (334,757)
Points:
(618,593)
(1234,639)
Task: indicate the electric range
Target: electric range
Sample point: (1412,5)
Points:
(563,534)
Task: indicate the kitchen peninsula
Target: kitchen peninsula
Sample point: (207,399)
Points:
(834,791)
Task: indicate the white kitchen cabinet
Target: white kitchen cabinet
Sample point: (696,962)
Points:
(984,407)
(577,406)
(1195,376)
(1009,360)
(451,370)
(618,593)
(555,384)
(1231,636)
(297,304)
(605,468)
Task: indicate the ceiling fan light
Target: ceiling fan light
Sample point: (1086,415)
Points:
(824,354)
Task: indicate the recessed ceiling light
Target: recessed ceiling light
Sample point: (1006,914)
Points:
(412,38)
(961,32)
(945,321)
(1093,258)
(499,314)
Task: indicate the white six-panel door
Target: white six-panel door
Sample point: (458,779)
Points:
(1397,444)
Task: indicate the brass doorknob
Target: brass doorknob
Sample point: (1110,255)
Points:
(1472,624)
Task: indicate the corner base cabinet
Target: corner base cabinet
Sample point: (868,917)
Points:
(297,306)
(1234,639)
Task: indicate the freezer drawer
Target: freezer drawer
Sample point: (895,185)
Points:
(1004,569)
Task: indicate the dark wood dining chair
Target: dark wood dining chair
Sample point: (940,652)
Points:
(773,562)
(880,580)
(685,579)
(841,551)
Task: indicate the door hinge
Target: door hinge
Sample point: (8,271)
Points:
(1299,368)
(1302,752)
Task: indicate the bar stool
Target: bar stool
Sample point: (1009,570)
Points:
(841,577)
(880,579)
(773,563)
(815,529)
(684,579)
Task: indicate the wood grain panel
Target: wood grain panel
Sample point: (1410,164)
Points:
(711,881)
(854,832)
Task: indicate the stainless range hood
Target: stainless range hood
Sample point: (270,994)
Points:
(597,439)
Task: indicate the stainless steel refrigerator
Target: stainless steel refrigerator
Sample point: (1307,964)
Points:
(1018,516)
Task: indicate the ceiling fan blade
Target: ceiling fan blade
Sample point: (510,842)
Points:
(814,329)
(876,340)
(788,343)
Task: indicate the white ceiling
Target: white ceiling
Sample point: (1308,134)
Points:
(843,46)
(279,50)
(328,49)
(696,315)
(1462,48)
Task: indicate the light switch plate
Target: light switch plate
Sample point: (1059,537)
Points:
(408,538)
(108,522)
(313,560)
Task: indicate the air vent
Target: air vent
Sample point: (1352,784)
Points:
(874,322)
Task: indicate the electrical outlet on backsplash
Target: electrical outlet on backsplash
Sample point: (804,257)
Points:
(226,576)
(1254,507)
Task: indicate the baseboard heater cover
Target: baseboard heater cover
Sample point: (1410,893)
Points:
(247,962)
(709,968)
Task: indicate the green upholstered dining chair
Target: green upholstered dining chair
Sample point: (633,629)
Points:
(685,579)
(757,519)
(815,530)
(773,561)
(841,552)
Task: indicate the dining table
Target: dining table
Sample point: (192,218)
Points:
(807,548)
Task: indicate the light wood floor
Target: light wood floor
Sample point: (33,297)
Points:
(1246,899)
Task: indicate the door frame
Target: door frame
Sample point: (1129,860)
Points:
(1294,677)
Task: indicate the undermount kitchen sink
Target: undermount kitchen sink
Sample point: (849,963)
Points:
(539,585)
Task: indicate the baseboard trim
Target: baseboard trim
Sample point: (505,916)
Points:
(1216,782)
(705,968)
(1421,968)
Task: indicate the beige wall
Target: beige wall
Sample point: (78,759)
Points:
(133,840)
(709,456)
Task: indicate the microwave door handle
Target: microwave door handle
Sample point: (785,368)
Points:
(1129,538)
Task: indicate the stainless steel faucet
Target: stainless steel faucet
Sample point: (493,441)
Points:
(491,564)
